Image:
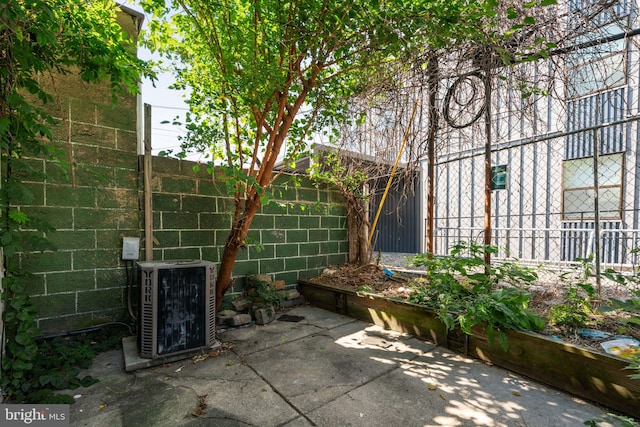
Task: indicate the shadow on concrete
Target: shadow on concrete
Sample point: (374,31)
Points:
(326,370)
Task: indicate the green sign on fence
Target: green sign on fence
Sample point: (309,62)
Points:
(499,177)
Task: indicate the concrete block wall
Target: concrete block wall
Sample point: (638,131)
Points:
(90,196)
(97,199)
(92,203)
(84,282)
(296,235)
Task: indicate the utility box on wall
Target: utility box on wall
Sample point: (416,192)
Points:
(176,312)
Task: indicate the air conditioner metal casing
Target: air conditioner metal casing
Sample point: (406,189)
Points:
(176,311)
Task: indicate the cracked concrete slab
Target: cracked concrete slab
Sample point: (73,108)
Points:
(444,389)
(326,370)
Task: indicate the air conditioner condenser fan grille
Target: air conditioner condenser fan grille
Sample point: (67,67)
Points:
(177,307)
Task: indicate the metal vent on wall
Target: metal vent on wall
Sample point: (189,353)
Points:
(176,307)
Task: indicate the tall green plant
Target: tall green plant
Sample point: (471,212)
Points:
(574,311)
(465,291)
(41,39)
(630,305)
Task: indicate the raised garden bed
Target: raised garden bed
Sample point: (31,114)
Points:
(580,371)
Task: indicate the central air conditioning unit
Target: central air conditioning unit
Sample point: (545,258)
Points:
(176,308)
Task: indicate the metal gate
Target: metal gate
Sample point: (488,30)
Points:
(398,227)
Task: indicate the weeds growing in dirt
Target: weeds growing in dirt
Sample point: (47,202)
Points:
(574,312)
(465,291)
(58,363)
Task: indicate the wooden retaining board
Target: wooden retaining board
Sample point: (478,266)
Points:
(391,314)
(576,370)
(591,375)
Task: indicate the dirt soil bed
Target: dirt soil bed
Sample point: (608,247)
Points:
(373,279)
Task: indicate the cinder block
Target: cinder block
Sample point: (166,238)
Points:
(240,319)
(59,305)
(265,315)
(224,317)
(241,304)
(286,222)
(178,185)
(287,250)
(291,294)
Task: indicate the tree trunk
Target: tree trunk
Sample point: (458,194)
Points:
(235,241)
(357,232)
(366,250)
(227,262)
(353,235)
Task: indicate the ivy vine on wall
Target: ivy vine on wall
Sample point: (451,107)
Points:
(40,40)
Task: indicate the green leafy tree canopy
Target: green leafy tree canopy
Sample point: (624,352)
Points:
(264,75)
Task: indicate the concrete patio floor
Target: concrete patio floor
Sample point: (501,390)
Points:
(325,370)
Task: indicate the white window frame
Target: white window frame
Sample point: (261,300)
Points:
(578,191)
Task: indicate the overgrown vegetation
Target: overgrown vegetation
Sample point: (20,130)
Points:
(573,313)
(464,291)
(350,177)
(262,293)
(57,362)
(43,39)
(630,305)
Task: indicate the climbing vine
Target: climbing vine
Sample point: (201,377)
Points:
(41,39)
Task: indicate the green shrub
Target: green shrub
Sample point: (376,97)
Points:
(574,312)
(56,365)
(465,291)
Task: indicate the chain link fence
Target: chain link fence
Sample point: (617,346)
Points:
(560,146)
(557,198)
